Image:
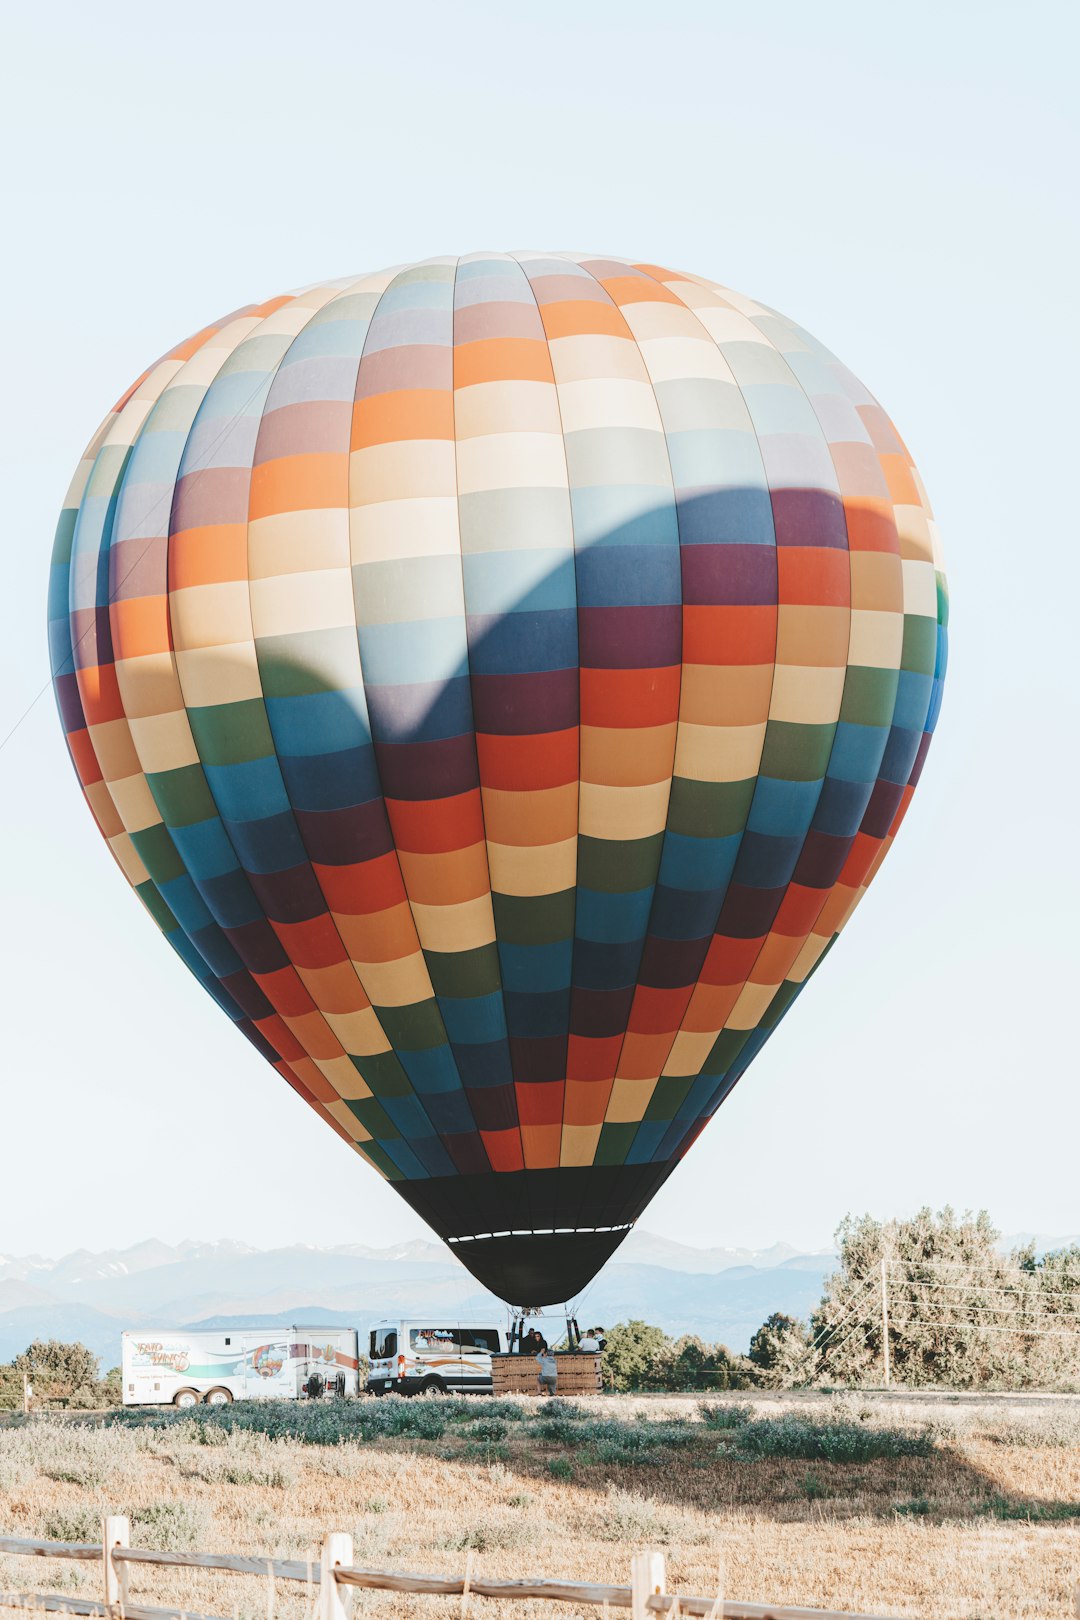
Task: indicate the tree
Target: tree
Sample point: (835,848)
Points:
(61,1374)
(692,1364)
(110,1389)
(634,1351)
(11,1389)
(642,1357)
(961,1312)
(779,1348)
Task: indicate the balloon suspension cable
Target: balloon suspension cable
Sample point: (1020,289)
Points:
(519,1315)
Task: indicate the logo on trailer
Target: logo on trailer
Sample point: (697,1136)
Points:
(152,1353)
(268,1360)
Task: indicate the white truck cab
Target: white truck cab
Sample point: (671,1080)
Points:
(422,1355)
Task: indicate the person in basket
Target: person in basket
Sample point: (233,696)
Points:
(548,1372)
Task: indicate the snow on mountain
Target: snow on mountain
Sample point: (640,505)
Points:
(646,1248)
(18,1268)
(719,1293)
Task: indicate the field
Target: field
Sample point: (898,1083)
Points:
(944,1507)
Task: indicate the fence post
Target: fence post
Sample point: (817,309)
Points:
(337,1550)
(115,1532)
(646,1578)
(885,1317)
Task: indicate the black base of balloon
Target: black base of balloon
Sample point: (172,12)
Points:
(536,1237)
(541,1269)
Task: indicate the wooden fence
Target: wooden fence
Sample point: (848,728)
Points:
(330,1579)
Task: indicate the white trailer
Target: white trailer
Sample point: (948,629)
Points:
(182,1367)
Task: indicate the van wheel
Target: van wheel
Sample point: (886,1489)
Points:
(218,1397)
(433,1386)
(186,1397)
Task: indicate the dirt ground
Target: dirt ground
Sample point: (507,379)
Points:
(981,1517)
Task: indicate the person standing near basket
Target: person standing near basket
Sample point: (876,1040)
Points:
(548,1372)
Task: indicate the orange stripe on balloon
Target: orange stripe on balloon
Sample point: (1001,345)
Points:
(212,555)
(362,886)
(503,1149)
(585,317)
(638,290)
(729,635)
(140,626)
(298,484)
(432,826)
(100,694)
(592,1058)
(502,360)
(313,943)
(630,697)
(520,764)
(415,413)
(817,575)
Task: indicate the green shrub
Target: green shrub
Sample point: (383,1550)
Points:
(1004,1507)
(169,1526)
(76,1524)
(490,1429)
(75,1473)
(559,1421)
(836,1439)
(725,1416)
(309,1422)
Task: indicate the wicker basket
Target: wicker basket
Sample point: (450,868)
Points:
(578,1374)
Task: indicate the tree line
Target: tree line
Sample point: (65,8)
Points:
(955,1310)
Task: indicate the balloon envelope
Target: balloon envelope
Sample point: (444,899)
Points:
(500,678)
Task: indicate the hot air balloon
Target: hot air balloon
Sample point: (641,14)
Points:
(500,678)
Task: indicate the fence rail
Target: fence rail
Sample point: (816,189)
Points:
(335,1573)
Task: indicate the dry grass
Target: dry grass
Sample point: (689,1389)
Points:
(985,1523)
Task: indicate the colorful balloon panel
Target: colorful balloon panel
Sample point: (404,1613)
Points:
(500,678)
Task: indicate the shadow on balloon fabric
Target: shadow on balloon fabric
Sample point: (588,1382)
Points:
(586,840)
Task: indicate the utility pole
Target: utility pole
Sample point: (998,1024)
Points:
(885,1317)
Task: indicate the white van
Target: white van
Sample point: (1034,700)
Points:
(422,1355)
(183,1367)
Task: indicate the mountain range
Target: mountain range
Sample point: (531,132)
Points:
(718,1293)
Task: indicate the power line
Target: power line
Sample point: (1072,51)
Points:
(865,1325)
(983,1288)
(993,1310)
(833,1327)
(988,1327)
(973,1269)
(817,1345)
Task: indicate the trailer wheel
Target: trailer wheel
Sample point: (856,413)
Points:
(218,1397)
(186,1397)
(433,1386)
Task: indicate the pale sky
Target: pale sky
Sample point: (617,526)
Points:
(898,181)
